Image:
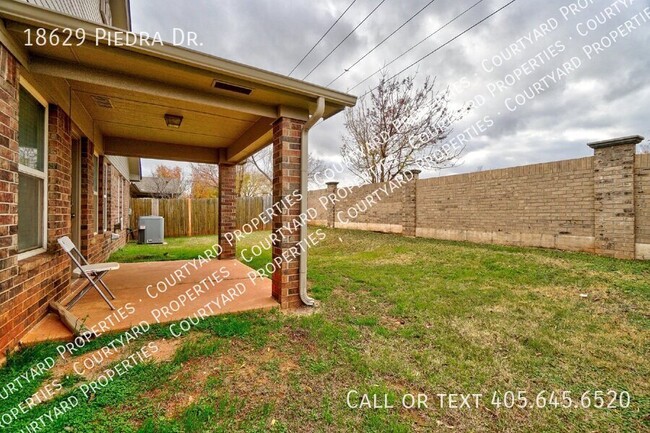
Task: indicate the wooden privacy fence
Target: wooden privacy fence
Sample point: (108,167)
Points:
(196,217)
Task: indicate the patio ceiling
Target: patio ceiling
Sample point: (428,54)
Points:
(127,91)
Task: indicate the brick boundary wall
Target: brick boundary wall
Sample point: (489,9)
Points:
(642,205)
(597,204)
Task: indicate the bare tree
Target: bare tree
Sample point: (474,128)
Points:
(263,162)
(248,181)
(168,182)
(205,180)
(396,124)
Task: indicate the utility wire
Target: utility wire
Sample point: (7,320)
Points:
(445,44)
(416,45)
(380,43)
(344,39)
(322,37)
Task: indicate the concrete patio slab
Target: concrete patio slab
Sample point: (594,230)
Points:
(184,291)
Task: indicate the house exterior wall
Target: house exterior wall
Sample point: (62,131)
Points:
(29,284)
(88,10)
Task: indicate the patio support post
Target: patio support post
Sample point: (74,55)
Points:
(287,142)
(227,211)
(332,187)
(409,204)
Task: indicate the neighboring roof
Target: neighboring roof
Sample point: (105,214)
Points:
(155,186)
(138,85)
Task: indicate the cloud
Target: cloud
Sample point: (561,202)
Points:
(608,94)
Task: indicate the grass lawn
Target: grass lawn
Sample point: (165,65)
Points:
(397,316)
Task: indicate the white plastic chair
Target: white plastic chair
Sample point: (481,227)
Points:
(93,273)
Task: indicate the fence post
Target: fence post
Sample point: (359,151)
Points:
(189,216)
(409,203)
(331,204)
(614,224)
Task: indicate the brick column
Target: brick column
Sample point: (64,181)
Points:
(331,204)
(409,199)
(614,196)
(287,140)
(227,210)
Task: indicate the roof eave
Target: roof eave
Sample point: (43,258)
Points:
(37,16)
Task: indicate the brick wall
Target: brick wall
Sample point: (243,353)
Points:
(547,205)
(313,198)
(384,216)
(27,286)
(97,243)
(551,205)
(642,204)
(8,204)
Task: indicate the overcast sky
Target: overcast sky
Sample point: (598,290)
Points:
(605,96)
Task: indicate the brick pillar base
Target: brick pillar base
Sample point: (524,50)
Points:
(227,210)
(614,196)
(331,204)
(409,203)
(287,137)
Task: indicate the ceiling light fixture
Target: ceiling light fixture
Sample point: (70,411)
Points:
(173,121)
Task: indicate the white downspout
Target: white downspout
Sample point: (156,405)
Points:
(304,170)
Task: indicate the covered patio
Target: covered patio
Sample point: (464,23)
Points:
(149,292)
(161,101)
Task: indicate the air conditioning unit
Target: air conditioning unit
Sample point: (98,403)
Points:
(151,230)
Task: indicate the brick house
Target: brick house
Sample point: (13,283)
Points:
(77,111)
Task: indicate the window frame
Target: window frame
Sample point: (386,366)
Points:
(104,195)
(95,189)
(105,12)
(42,175)
(120,200)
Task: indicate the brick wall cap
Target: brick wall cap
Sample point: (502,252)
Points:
(331,183)
(632,139)
(413,172)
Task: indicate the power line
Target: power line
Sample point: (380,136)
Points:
(380,43)
(416,45)
(322,37)
(446,43)
(344,39)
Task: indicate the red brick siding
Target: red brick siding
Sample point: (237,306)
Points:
(287,135)
(227,210)
(9,204)
(27,286)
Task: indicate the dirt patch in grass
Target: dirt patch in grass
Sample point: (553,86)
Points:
(166,349)
(250,375)
(89,366)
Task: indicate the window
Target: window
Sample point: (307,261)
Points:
(96,192)
(32,173)
(105,197)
